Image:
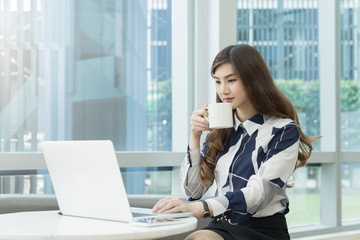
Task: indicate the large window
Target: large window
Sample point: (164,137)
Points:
(350,108)
(286,35)
(350,191)
(85,70)
(304,197)
(94,69)
(294,39)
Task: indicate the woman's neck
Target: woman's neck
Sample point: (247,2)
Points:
(245,114)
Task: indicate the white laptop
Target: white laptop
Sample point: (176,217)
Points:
(87,182)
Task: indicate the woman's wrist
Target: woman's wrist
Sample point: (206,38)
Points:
(198,209)
(194,142)
(195,134)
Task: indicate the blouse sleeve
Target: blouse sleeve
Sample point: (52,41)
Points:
(190,174)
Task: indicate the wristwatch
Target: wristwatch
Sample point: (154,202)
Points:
(206,213)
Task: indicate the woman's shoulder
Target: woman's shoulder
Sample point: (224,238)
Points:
(279,122)
(274,126)
(283,128)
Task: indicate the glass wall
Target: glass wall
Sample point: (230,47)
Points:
(86,70)
(304,197)
(92,69)
(286,35)
(350,82)
(82,69)
(350,107)
(350,191)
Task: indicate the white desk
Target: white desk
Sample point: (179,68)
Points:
(50,225)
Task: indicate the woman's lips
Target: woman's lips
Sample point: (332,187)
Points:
(228,99)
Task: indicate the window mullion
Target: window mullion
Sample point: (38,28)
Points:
(329,43)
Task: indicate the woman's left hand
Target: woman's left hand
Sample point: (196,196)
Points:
(174,205)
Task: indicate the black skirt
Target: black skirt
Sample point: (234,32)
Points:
(264,228)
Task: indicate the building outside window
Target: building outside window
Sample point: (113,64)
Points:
(350,107)
(86,70)
(286,33)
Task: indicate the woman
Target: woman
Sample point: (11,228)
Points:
(251,162)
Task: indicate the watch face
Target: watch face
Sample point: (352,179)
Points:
(206,214)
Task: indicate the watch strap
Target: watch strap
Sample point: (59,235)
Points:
(206,209)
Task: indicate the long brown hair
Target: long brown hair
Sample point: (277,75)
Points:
(263,94)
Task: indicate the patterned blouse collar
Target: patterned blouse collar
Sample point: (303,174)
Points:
(250,125)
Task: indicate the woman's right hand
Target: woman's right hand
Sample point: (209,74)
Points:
(198,122)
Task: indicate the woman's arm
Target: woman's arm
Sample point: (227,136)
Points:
(190,174)
(190,167)
(190,171)
(174,205)
(198,124)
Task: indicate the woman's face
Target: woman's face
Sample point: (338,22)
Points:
(230,88)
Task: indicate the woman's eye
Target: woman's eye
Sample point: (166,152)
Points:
(217,82)
(232,80)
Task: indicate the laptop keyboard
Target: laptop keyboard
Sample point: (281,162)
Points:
(140,214)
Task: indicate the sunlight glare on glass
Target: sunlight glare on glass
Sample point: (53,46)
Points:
(13,6)
(27,5)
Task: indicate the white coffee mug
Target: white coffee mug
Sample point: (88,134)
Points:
(220,115)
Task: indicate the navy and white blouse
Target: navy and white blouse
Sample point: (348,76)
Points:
(252,171)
